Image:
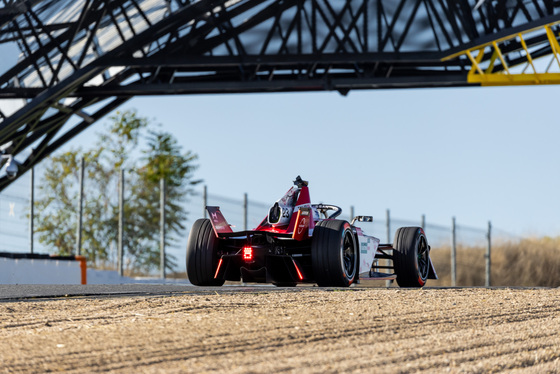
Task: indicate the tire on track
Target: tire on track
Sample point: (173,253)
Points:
(411,257)
(202,254)
(334,254)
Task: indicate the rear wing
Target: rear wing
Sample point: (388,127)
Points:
(219,223)
(222,228)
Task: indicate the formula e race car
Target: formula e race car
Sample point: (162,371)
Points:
(299,242)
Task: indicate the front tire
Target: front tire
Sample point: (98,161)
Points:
(334,254)
(202,254)
(411,257)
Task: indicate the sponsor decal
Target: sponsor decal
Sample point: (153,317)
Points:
(301,225)
(364,247)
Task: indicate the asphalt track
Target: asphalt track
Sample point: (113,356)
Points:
(48,291)
(45,291)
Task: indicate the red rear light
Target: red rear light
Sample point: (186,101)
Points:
(218,269)
(300,276)
(247,253)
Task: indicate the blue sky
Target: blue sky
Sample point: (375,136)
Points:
(478,154)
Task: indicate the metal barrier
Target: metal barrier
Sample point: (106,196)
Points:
(16,235)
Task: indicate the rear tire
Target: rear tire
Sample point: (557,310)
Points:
(334,254)
(411,257)
(202,254)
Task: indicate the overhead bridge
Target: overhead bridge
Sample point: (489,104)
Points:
(81,59)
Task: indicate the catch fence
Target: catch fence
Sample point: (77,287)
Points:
(242,213)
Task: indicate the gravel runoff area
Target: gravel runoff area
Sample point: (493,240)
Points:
(300,330)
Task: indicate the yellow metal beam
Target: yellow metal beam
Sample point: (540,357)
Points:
(527,53)
(516,79)
(504,63)
(476,62)
(553,43)
(483,70)
(492,62)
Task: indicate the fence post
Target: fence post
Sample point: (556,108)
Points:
(204,201)
(423,222)
(80,208)
(120,242)
(488,255)
(31,208)
(162,228)
(387,262)
(352,212)
(245,211)
(388,225)
(453,253)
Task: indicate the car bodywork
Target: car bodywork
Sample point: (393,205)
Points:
(283,250)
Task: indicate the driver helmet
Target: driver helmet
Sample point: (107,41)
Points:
(280,214)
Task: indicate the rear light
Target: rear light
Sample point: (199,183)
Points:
(247,253)
(218,269)
(300,276)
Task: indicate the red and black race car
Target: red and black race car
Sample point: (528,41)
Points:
(299,242)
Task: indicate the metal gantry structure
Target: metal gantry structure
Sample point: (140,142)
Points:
(77,60)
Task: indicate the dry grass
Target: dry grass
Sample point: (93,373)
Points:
(531,262)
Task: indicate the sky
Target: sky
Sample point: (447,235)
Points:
(476,154)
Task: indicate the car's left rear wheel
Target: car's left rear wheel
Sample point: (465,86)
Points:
(202,254)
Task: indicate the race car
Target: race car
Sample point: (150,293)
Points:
(299,242)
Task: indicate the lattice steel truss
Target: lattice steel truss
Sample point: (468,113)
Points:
(80,59)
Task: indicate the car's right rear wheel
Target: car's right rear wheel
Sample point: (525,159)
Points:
(334,254)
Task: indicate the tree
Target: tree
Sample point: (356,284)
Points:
(55,207)
(147,156)
(161,159)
